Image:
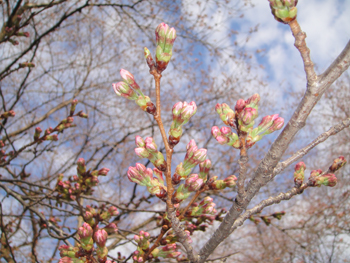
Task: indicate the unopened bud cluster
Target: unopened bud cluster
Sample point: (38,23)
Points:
(267,219)
(64,124)
(81,183)
(144,177)
(182,112)
(143,244)
(284,11)
(242,120)
(148,149)
(89,234)
(194,156)
(128,88)
(317,177)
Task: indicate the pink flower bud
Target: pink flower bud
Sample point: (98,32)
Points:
(100,237)
(85,231)
(337,164)
(103,171)
(240,105)
(139,141)
(113,211)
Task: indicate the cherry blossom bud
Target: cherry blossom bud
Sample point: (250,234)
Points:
(149,59)
(82,114)
(103,171)
(337,164)
(53,137)
(123,89)
(240,104)
(130,80)
(204,168)
(284,11)
(113,211)
(315,173)
(193,182)
(111,228)
(73,106)
(230,181)
(299,173)
(139,141)
(249,115)
(37,132)
(81,166)
(253,101)
(327,180)
(165,38)
(168,251)
(142,239)
(100,237)
(8,114)
(227,115)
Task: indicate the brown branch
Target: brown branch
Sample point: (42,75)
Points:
(302,152)
(182,215)
(267,202)
(243,160)
(300,44)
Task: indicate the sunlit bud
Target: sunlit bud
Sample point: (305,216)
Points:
(227,115)
(81,166)
(113,211)
(8,114)
(123,89)
(139,141)
(129,79)
(53,137)
(204,168)
(193,182)
(240,104)
(284,11)
(165,38)
(249,115)
(299,173)
(215,131)
(73,106)
(149,59)
(278,215)
(169,40)
(177,108)
(253,101)
(159,175)
(150,145)
(327,180)
(37,132)
(188,110)
(230,181)
(111,228)
(161,32)
(85,231)
(100,237)
(103,171)
(142,153)
(337,164)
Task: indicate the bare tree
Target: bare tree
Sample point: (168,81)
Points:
(58,62)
